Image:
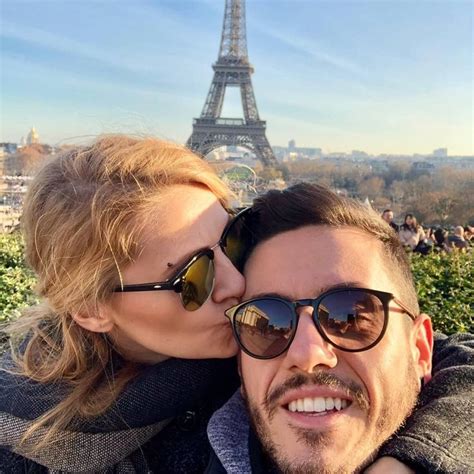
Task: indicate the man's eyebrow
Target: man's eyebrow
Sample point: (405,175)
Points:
(324,289)
(269,295)
(345,284)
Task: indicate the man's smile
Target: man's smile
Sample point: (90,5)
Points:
(317,404)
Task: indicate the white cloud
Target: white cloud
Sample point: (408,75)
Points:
(311,48)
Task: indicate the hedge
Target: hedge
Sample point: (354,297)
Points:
(445,288)
(16,280)
(444,282)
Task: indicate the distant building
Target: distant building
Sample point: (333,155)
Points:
(378,165)
(295,153)
(440,152)
(8,148)
(422,167)
(291,156)
(359,154)
(32,137)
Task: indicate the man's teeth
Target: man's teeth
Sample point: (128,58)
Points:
(317,404)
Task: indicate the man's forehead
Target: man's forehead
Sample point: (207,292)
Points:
(313,259)
(313,239)
(287,294)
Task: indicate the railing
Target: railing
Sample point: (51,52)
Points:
(219,121)
(229,121)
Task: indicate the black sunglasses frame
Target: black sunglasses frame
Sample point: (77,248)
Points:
(238,218)
(383,296)
(175,283)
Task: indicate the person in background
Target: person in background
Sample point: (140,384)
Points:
(387,216)
(441,240)
(429,236)
(469,234)
(411,233)
(457,240)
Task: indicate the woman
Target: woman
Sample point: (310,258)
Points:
(441,240)
(411,234)
(97,221)
(114,370)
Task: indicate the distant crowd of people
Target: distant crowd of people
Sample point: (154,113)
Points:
(414,237)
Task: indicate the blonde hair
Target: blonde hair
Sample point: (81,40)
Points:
(82,218)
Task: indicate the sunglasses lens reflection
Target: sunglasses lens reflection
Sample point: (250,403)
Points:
(265,327)
(352,319)
(198,283)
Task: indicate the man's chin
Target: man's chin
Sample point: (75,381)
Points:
(303,450)
(320,460)
(300,451)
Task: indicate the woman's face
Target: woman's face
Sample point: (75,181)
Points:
(151,325)
(409,220)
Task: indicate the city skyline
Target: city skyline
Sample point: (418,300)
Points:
(384,77)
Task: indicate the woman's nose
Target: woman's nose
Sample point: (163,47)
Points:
(230,283)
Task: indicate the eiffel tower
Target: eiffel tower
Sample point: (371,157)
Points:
(232,69)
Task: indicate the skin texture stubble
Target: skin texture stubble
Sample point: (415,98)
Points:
(317,440)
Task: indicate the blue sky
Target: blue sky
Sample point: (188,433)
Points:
(380,76)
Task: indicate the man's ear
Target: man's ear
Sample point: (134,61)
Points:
(423,346)
(94,319)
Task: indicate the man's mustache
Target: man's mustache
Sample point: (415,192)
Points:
(350,389)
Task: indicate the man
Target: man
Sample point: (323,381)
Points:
(323,391)
(457,240)
(468,233)
(387,216)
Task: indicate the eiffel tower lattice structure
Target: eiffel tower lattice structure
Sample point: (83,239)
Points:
(232,69)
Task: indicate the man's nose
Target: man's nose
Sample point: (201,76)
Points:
(308,349)
(230,283)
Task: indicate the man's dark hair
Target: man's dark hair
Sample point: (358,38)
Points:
(307,204)
(386,210)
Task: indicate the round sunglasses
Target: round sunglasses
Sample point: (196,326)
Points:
(195,279)
(350,319)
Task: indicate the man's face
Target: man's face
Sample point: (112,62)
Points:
(387,216)
(366,394)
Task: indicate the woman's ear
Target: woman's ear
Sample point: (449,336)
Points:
(94,319)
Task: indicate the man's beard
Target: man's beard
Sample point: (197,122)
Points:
(396,408)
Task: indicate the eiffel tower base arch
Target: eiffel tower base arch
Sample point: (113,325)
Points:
(209,134)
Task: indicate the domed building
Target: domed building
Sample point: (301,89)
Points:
(32,137)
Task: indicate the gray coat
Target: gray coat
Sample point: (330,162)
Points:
(437,438)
